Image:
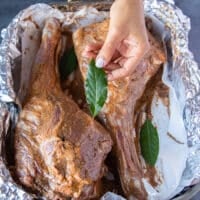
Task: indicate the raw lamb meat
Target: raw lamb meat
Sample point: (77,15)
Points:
(59,149)
(118,113)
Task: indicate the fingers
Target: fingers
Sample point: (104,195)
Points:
(107,51)
(128,67)
(91,50)
(93,47)
(89,54)
(111,67)
(116,56)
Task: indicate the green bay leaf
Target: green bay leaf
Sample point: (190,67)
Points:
(68,63)
(95,88)
(149,142)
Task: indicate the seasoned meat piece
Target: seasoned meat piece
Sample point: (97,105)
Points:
(59,150)
(118,113)
(30,43)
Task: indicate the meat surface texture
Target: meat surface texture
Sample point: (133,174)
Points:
(118,114)
(59,149)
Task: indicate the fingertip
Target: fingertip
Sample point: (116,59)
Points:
(110,77)
(90,55)
(93,47)
(85,54)
(112,66)
(88,48)
(117,74)
(106,53)
(100,62)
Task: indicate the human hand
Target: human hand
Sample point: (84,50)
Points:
(126,42)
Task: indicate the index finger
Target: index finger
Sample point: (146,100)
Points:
(91,50)
(128,68)
(94,46)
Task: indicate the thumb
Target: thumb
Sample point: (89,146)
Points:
(108,49)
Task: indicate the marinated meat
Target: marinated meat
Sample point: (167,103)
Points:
(118,113)
(30,43)
(59,149)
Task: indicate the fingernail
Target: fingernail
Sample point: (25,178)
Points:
(100,62)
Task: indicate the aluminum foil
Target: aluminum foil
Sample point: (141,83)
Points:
(183,69)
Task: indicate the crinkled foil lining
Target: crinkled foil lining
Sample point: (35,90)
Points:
(182,66)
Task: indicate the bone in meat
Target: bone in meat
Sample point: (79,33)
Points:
(59,150)
(118,112)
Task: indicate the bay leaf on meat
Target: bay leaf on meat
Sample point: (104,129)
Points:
(95,88)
